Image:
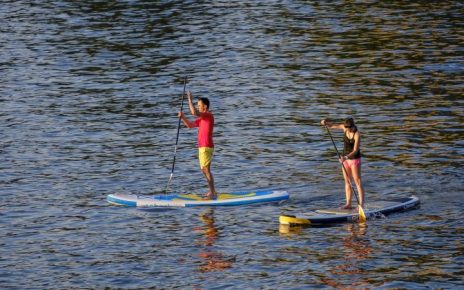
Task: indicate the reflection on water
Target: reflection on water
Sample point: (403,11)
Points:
(213,260)
(356,248)
(343,260)
(287,229)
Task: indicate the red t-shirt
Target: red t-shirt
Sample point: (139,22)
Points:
(205,124)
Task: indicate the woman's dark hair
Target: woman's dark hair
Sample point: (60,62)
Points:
(205,101)
(349,123)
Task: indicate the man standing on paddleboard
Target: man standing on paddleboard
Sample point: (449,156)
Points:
(205,125)
(351,158)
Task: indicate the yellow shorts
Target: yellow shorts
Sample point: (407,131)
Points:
(205,156)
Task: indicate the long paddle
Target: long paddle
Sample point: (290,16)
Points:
(362,215)
(177,137)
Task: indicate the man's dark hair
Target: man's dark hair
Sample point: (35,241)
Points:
(205,101)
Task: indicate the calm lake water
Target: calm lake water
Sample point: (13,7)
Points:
(89,94)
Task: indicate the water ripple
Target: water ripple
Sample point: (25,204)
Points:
(89,98)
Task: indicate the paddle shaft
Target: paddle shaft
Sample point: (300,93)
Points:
(177,137)
(343,166)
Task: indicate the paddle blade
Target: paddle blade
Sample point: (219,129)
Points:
(362,215)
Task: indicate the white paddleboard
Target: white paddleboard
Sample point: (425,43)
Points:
(188,200)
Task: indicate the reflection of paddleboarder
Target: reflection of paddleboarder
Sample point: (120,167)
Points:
(356,248)
(205,125)
(351,158)
(211,233)
(215,261)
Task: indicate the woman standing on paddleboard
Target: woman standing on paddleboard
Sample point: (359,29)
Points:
(351,158)
(205,124)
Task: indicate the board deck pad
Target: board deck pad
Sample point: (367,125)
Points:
(188,200)
(336,210)
(367,207)
(221,196)
(337,215)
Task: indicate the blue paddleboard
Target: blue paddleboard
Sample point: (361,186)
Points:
(188,200)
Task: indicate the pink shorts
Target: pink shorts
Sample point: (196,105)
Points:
(352,163)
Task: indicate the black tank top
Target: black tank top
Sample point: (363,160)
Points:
(348,146)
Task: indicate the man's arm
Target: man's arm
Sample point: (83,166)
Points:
(191,106)
(186,121)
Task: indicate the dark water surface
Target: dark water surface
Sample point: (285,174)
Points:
(89,92)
